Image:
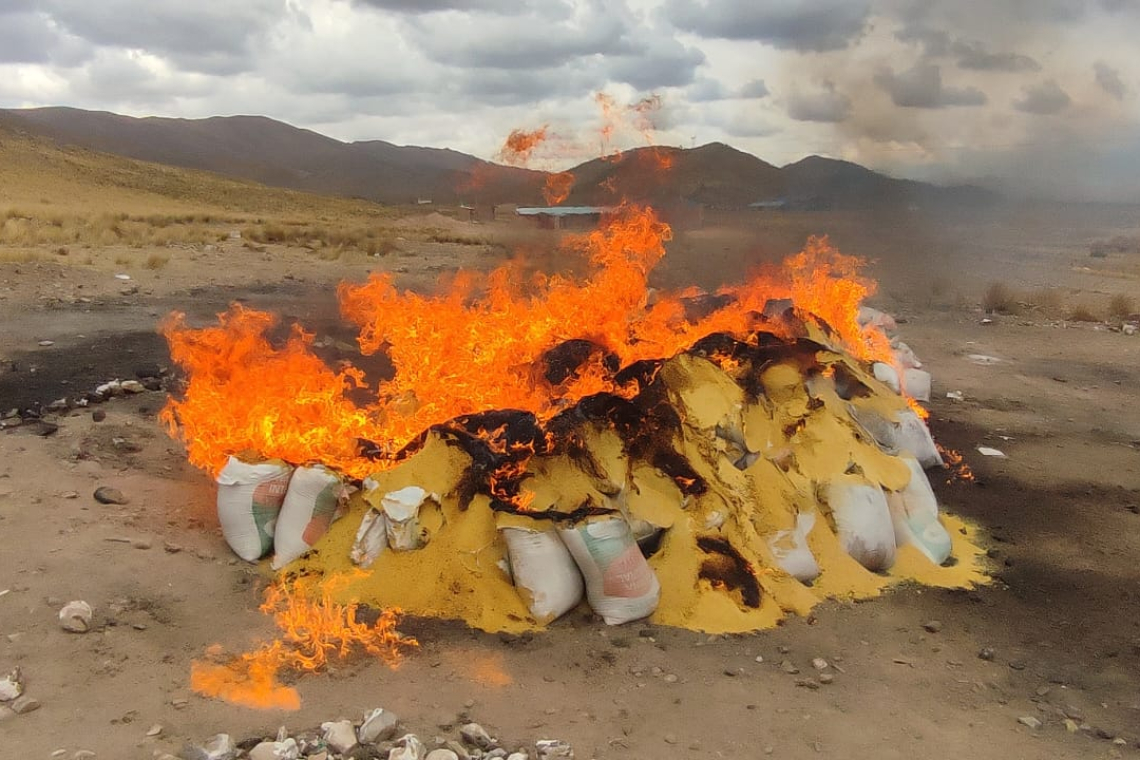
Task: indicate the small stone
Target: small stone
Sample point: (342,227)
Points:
(1072,726)
(553,749)
(826,678)
(179,703)
(132,386)
(514,756)
(1072,711)
(1120,742)
(70,494)
(932,626)
(441,754)
(670,678)
(760,658)
(108,495)
(411,748)
(339,734)
(804,683)
(378,725)
(76,616)
(1017,664)
(1030,721)
(221,747)
(459,750)
(819,663)
(98,415)
(11,686)
(1103,733)
(46,343)
(82,754)
(789,668)
(281,750)
(987,654)
(783,650)
(477,736)
(58,754)
(154,730)
(141,543)
(1042,691)
(670,739)
(25,704)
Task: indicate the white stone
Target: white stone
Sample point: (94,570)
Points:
(11,686)
(475,734)
(411,749)
(286,750)
(339,734)
(76,616)
(553,749)
(441,754)
(379,725)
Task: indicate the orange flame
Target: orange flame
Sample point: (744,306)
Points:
(312,628)
(520,144)
(557,187)
(472,348)
(955,465)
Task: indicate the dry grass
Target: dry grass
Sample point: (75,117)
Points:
(999,298)
(156,261)
(457,239)
(374,241)
(1121,306)
(1048,300)
(1083,313)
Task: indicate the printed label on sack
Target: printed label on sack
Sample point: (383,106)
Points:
(325,508)
(627,575)
(266,505)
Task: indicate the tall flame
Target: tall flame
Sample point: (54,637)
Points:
(313,628)
(475,347)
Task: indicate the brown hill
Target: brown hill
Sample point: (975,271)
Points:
(274,153)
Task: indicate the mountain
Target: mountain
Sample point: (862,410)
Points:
(274,153)
(271,152)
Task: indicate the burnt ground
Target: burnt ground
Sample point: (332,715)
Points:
(1062,618)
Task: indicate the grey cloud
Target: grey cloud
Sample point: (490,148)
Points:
(1109,80)
(934,42)
(921,87)
(656,61)
(1044,99)
(825,105)
(435,6)
(30,37)
(972,54)
(785,24)
(707,91)
(754,89)
(208,35)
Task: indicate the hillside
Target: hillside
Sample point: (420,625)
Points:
(267,151)
(271,152)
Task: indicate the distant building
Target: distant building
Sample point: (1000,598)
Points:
(476,213)
(565,217)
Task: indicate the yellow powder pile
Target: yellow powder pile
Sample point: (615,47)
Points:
(799,435)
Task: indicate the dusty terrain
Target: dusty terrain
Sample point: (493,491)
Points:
(1062,617)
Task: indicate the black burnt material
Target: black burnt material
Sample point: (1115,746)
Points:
(562,362)
(724,566)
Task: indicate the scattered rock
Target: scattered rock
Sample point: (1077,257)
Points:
(154,730)
(477,736)
(670,678)
(379,725)
(804,683)
(339,734)
(788,667)
(283,750)
(132,386)
(221,747)
(1030,721)
(98,415)
(1072,726)
(1072,711)
(819,663)
(987,654)
(76,617)
(83,754)
(411,748)
(25,704)
(46,343)
(826,678)
(1017,664)
(108,495)
(1103,733)
(11,686)
(932,626)
(518,756)
(441,754)
(553,749)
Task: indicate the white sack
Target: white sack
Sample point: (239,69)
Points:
(790,548)
(914,512)
(863,522)
(316,497)
(914,438)
(249,501)
(620,585)
(916,384)
(904,355)
(887,375)
(871,317)
(402,510)
(544,573)
(371,538)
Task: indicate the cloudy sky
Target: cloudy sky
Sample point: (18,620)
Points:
(1042,94)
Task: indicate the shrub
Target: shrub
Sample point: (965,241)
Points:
(1000,299)
(1121,306)
(1083,314)
(156,261)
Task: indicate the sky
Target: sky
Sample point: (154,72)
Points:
(1040,97)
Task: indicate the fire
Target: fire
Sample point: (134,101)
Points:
(955,465)
(313,627)
(557,187)
(520,144)
(473,348)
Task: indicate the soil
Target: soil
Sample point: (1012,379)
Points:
(1061,511)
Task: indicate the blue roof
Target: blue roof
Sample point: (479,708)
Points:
(564,210)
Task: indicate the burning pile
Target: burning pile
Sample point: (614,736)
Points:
(713,460)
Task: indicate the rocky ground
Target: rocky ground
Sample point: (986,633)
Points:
(1043,663)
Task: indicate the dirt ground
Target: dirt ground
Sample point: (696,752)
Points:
(1062,512)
